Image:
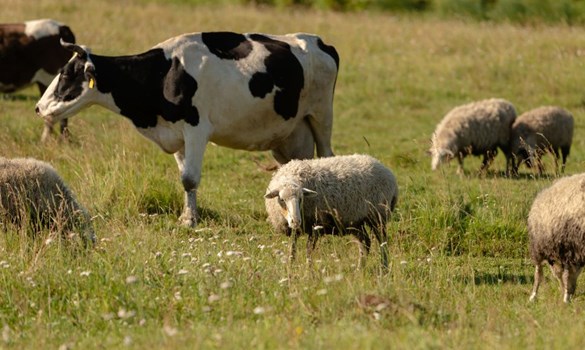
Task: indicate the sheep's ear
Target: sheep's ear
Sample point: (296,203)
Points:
(307,193)
(271,194)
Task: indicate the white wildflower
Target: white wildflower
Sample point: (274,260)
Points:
(127,340)
(170,331)
(259,310)
(124,314)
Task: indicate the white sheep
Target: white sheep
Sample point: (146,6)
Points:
(33,195)
(476,128)
(541,130)
(333,195)
(556,232)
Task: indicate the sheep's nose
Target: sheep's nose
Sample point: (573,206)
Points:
(37,110)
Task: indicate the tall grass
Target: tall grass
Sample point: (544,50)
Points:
(516,11)
(459,276)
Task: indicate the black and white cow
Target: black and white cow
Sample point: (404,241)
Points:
(31,53)
(243,91)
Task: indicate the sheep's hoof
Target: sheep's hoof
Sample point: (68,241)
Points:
(187,221)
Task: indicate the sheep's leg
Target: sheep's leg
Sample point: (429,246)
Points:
(460,164)
(509,165)
(487,160)
(565,152)
(293,246)
(364,244)
(568,289)
(382,238)
(537,281)
(570,274)
(311,242)
(189,161)
(557,271)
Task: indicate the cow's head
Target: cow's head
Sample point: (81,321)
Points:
(73,89)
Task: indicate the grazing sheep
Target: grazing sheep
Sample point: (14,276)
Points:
(477,128)
(32,194)
(333,195)
(538,131)
(556,232)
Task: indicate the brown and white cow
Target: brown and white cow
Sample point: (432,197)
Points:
(31,53)
(242,91)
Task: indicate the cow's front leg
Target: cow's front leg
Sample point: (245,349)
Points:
(190,162)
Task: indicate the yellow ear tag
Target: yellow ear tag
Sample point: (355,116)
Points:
(91,83)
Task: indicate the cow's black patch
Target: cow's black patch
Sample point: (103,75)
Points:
(330,50)
(178,91)
(146,86)
(284,71)
(227,45)
(261,84)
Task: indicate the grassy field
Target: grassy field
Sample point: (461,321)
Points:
(459,273)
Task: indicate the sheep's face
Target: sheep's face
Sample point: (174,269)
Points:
(440,156)
(290,201)
(523,150)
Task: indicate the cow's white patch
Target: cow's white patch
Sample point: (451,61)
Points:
(41,28)
(43,77)
(53,109)
(167,135)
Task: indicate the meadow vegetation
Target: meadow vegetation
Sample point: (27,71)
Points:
(459,274)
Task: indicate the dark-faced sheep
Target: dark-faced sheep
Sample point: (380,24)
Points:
(333,195)
(33,195)
(556,232)
(541,130)
(477,128)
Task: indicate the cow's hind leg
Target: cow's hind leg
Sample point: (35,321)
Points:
(300,144)
(321,127)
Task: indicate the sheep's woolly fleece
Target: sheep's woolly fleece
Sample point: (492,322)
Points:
(32,192)
(475,128)
(543,127)
(349,185)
